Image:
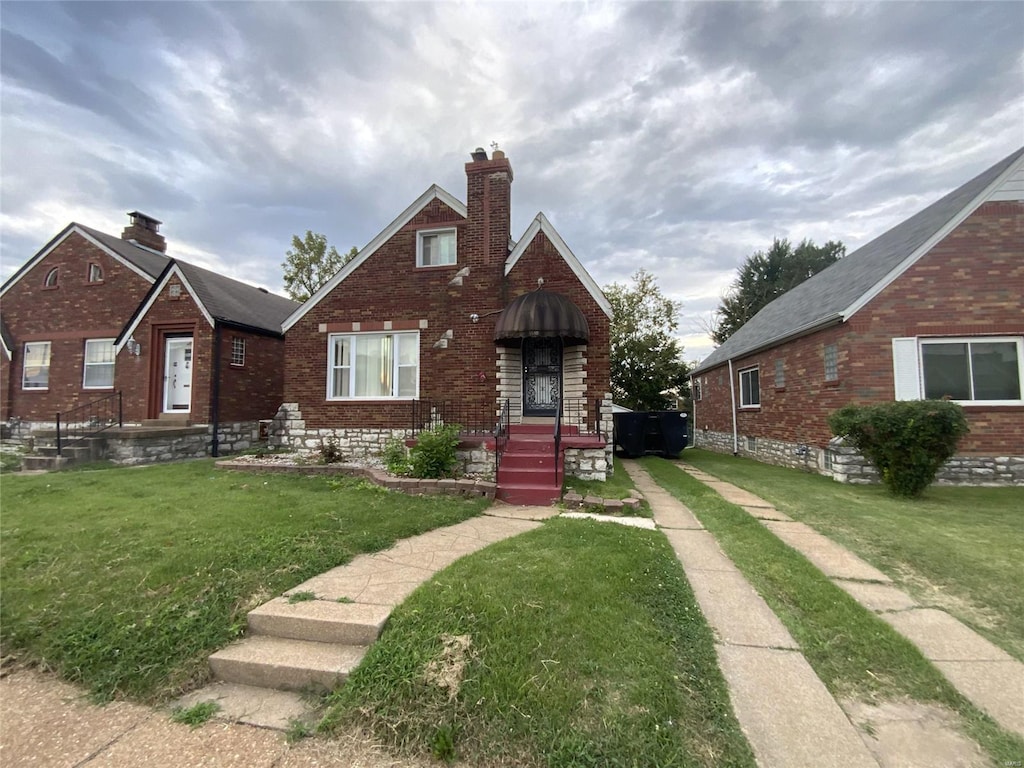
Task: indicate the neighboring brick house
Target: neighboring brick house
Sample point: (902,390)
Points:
(92,315)
(434,319)
(933,308)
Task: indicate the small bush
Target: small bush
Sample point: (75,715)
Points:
(434,455)
(330,451)
(907,441)
(396,457)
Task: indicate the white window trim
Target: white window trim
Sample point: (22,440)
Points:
(235,340)
(439,231)
(49,364)
(86,364)
(739,374)
(908,369)
(352,368)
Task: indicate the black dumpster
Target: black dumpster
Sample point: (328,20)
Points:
(662,433)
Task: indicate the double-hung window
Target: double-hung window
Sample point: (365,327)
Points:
(237,350)
(98,367)
(435,247)
(974,370)
(373,365)
(750,388)
(35,372)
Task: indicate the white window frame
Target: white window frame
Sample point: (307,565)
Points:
(86,364)
(94,274)
(395,370)
(744,375)
(908,365)
(421,234)
(238,351)
(833,374)
(24,360)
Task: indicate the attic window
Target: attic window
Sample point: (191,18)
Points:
(435,248)
(95,273)
(174,290)
(50,281)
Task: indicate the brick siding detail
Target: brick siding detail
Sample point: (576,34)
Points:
(970,283)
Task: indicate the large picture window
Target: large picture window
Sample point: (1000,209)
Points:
(976,369)
(99,364)
(36,367)
(435,248)
(373,365)
(750,388)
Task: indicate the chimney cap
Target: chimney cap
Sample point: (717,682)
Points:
(137,217)
(479,154)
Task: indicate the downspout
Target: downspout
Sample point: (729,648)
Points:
(215,392)
(732,396)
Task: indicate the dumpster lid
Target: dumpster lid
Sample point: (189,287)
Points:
(542,314)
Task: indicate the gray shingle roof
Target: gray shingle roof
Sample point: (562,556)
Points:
(238,303)
(150,262)
(822,298)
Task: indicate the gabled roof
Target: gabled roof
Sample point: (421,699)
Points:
(837,292)
(220,299)
(434,192)
(145,262)
(540,224)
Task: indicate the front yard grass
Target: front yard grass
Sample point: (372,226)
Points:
(124,580)
(854,652)
(576,644)
(958,549)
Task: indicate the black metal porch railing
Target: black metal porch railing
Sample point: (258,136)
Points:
(501,436)
(558,435)
(472,418)
(88,420)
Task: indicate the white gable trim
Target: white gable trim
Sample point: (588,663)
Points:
(541,224)
(931,242)
(75,229)
(7,350)
(434,192)
(153,296)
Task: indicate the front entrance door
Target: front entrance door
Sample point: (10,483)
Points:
(178,375)
(542,376)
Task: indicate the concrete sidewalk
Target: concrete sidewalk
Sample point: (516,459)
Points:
(985,674)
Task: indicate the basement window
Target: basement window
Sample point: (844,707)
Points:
(435,247)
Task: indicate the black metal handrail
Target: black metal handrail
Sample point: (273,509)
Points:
(501,436)
(472,418)
(88,420)
(558,435)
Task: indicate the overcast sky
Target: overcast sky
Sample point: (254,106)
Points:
(678,137)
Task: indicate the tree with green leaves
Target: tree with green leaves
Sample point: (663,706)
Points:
(765,276)
(310,263)
(646,358)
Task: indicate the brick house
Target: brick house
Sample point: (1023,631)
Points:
(933,308)
(443,317)
(92,316)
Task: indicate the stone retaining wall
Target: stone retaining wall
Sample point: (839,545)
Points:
(844,464)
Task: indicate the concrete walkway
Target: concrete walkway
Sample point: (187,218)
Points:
(803,727)
(44,722)
(985,674)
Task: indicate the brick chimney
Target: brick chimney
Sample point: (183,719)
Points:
(489,211)
(145,231)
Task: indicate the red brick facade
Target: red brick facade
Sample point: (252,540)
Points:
(969,284)
(388,287)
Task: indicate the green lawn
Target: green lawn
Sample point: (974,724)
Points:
(576,644)
(854,652)
(124,580)
(958,549)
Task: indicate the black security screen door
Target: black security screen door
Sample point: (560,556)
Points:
(542,376)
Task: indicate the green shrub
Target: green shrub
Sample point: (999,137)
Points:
(434,454)
(330,451)
(907,441)
(396,457)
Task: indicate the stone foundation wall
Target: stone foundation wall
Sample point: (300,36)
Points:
(184,443)
(844,464)
(587,463)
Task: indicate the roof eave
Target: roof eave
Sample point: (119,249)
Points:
(817,325)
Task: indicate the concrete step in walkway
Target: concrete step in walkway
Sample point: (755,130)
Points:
(318,632)
(759,659)
(985,674)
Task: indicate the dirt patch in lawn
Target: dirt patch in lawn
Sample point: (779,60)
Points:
(938,596)
(908,734)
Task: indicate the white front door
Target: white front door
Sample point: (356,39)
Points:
(178,376)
